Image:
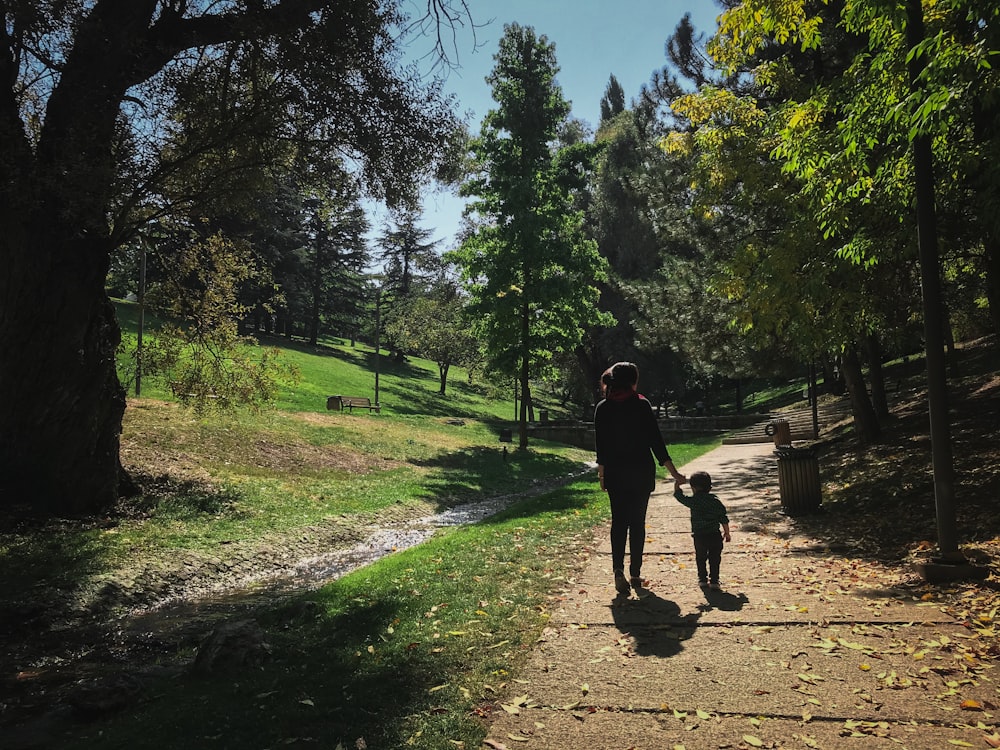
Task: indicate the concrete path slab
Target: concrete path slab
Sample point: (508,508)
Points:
(804,647)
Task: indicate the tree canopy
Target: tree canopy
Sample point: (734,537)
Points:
(116,112)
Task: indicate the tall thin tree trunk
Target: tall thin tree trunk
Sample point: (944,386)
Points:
(525,396)
(314,309)
(930,283)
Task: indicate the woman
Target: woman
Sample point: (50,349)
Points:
(628,437)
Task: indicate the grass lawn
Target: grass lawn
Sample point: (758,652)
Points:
(414,650)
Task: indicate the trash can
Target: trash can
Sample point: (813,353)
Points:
(335,403)
(506,435)
(780,431)
(798,480)
(543,415)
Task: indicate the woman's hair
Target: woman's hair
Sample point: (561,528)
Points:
(621,376)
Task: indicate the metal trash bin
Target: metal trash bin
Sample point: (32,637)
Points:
(798,480)
(780,431)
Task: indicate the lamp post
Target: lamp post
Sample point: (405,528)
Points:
(378,345)
(142,311)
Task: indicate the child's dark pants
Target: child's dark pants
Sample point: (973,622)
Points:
(708,555)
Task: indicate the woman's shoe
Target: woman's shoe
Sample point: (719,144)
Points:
(621,583)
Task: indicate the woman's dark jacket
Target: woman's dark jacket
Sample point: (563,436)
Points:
(627,439)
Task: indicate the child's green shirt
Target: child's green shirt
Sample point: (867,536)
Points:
(707,511)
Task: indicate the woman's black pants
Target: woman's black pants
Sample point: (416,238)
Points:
(628,521)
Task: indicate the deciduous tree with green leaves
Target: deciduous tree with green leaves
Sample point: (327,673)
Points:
(530,270)
(916,95)
(85,113)
(434,326)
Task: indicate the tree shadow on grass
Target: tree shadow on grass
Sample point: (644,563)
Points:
(483,472)
(55,572)
(320,682)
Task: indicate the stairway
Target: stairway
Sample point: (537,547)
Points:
(800,422)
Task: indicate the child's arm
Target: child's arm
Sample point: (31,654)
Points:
(725,532)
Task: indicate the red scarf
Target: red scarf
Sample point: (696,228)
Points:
(620,395)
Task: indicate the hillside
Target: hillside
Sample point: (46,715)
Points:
(879,499)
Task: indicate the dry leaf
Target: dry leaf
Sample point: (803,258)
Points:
(753,741)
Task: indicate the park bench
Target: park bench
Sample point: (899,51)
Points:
(180,392)
(340,403)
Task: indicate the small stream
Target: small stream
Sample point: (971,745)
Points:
(197,614)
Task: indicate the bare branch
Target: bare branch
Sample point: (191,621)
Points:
(442,21)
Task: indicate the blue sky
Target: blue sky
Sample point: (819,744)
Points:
(593,38)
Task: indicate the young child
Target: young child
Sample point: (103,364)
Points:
(707,515)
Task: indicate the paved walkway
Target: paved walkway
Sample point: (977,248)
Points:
(802,648)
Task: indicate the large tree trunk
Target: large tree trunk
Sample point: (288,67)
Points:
(865,421)
(61,407)
(62,404)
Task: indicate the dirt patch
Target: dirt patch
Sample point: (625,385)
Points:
(152,445)
(297,456)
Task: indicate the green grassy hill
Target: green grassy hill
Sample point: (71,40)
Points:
(335,367)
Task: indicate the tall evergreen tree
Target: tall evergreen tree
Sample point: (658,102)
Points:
(613,101)
(531,272)
(408,256)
